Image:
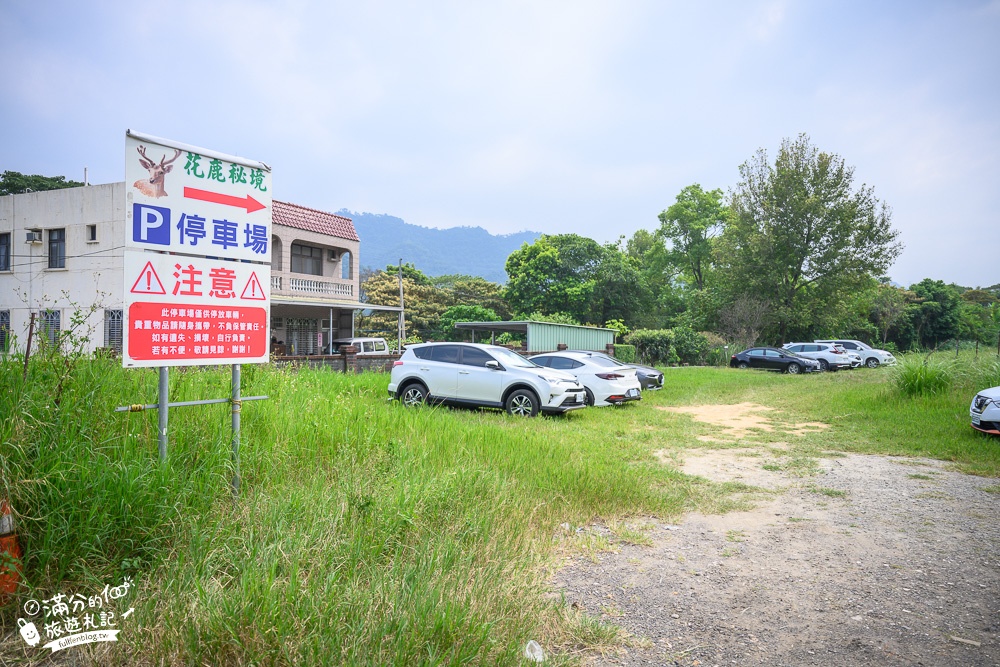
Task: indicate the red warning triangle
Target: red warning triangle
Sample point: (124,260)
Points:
(253,291)
(148,282)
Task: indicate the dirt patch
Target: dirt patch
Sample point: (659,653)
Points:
(868,560)
(741,419)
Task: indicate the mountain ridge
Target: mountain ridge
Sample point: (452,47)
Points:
(385,239)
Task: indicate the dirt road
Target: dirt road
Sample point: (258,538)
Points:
(868,561)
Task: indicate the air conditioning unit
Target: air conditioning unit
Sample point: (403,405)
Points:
(34,236)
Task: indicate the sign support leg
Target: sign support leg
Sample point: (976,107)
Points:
(163,410)
(237,404)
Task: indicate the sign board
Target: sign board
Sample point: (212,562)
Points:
(197,256)
(184,199)
(194,311)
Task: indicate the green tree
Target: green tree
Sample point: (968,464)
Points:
(555,274)
(620,291)
(800,235)
(935,316)
(464,313)
(474,291)
(690,225)
(424,305)
(14,183)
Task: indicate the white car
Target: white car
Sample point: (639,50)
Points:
(985,411)
(870,357)
(606,381)
(829,356)
(473,375)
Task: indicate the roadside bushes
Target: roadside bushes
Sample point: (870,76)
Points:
(625,353)
(923,375)
(681,344)
(654,346)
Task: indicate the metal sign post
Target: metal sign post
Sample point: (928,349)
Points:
(164,411)
(197,267)
(237,405)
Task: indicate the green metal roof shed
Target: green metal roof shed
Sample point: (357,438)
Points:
(547,336)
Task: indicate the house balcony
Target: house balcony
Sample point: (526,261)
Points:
(284,284)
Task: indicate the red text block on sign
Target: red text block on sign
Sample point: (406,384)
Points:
(159,331)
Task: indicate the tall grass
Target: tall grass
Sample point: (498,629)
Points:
(365,533)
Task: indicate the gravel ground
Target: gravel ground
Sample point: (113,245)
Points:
(872,561)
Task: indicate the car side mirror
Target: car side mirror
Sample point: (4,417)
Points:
(495,365)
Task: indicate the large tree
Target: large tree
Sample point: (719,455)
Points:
(801,233)
(689,225)
(15,183)
(555,274)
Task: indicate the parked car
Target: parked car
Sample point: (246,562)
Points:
(829,356)
(650,379)
(985,411)
(855,358)
(773,359)
(870,357)
(474,375)
(364,345)
(605,381)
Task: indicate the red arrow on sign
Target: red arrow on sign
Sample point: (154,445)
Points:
(248,202)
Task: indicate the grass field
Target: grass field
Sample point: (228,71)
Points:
(366,533)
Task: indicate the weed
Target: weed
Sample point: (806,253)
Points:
(832,493)
(919,476)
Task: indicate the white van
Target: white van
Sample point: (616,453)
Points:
(366,346)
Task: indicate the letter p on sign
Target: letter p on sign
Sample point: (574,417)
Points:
(150,224)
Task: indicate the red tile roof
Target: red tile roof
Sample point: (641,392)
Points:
(309,219)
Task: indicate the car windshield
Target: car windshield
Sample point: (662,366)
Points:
(863,346)
(509,358)
(789,353)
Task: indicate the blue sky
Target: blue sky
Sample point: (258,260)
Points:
(585,117)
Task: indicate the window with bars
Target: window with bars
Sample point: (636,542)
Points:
(307,259)
(49,325)
(302,335)
(4,331)
(57,248)
(5,251)
(113,330)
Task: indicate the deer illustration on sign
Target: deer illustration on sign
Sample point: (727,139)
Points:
(153,186)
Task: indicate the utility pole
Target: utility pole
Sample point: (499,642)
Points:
(402,322)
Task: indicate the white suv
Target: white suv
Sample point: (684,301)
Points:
(473,375)
(829,356)
(870,357)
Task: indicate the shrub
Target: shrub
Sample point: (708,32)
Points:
(653,346)
(689,345)
(625,353)
(920,376)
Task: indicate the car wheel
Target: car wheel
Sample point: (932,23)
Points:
(414,395)
(872,362)
(522,403)
(589,399)
(744,364)
(824,365)
(794,369)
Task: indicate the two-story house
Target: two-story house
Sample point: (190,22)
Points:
(61,258)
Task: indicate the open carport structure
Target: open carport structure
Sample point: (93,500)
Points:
(546,336)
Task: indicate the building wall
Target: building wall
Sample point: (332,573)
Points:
(93,281)
(330,284)
(92,278)
(546,336)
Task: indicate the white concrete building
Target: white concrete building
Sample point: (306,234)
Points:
(61,259)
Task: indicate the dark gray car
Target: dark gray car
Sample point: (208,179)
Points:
(650,379)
